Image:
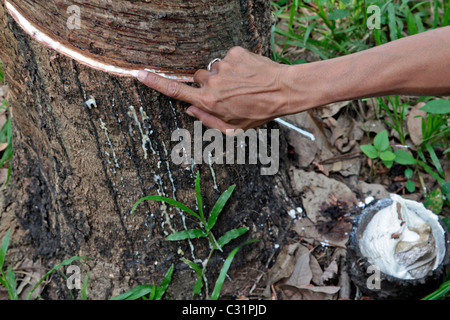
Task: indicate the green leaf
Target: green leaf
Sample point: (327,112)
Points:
(446,222)
(392,21)
(159,292)
(430,171)
(369,150)
(438,106)
(199,283)
(12,284)
(446,187)
(84,289)
(434,201)
(439,293)
(170,201)
(434,159)
(218,207)
(404,157)
(411,23)
(338,14)
(387,155)
(381,141)
(224,270)
(410,186)
(135,293)
(186,234)
(231,235)
(388,164)
(409,173)
(4,248)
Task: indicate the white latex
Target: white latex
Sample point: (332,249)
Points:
(57,46)
(378,244)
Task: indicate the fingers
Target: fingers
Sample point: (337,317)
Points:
(201,76)
(211,121)
(168,87)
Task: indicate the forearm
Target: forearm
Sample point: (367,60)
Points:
(415,65)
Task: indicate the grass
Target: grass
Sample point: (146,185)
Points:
(327,29)
(334,28)
(8,279)
(330,29)
(204,231)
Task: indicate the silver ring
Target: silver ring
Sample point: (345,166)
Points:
(212,62)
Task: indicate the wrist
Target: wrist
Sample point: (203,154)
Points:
(305,86)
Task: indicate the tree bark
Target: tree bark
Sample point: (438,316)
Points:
(79,168)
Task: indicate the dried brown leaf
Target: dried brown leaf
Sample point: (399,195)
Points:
(329,272)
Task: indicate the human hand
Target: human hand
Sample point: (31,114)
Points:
(242,91)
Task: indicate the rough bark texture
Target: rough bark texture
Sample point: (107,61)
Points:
(78,170)
(178,36)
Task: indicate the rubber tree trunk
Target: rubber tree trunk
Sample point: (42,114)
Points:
(79,167)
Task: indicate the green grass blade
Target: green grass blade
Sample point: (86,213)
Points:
(170,201)
(231,235)
(193,266)
(84,289)
(135,293)
(435,160)
(64,263)
(392,21)
(4,248)
(308,31)
(12,284)
(411,23)
(430,171)
(199,283)
(218,207)
(159,292)
(223,272)
(2,78)
(436,14)
(439,293)
(186,234)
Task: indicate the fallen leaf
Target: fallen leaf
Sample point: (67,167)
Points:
(316,190)
(3,146)
(282,268)
(300,144)
(374,126)
(309,292)
(33,272)
(414,123)
(315,269)
(301,274)
(331,109)
(329,272)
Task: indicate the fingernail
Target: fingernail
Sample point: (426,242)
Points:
(189,113)
(142,74)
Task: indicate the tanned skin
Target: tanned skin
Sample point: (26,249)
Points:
(246,90)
